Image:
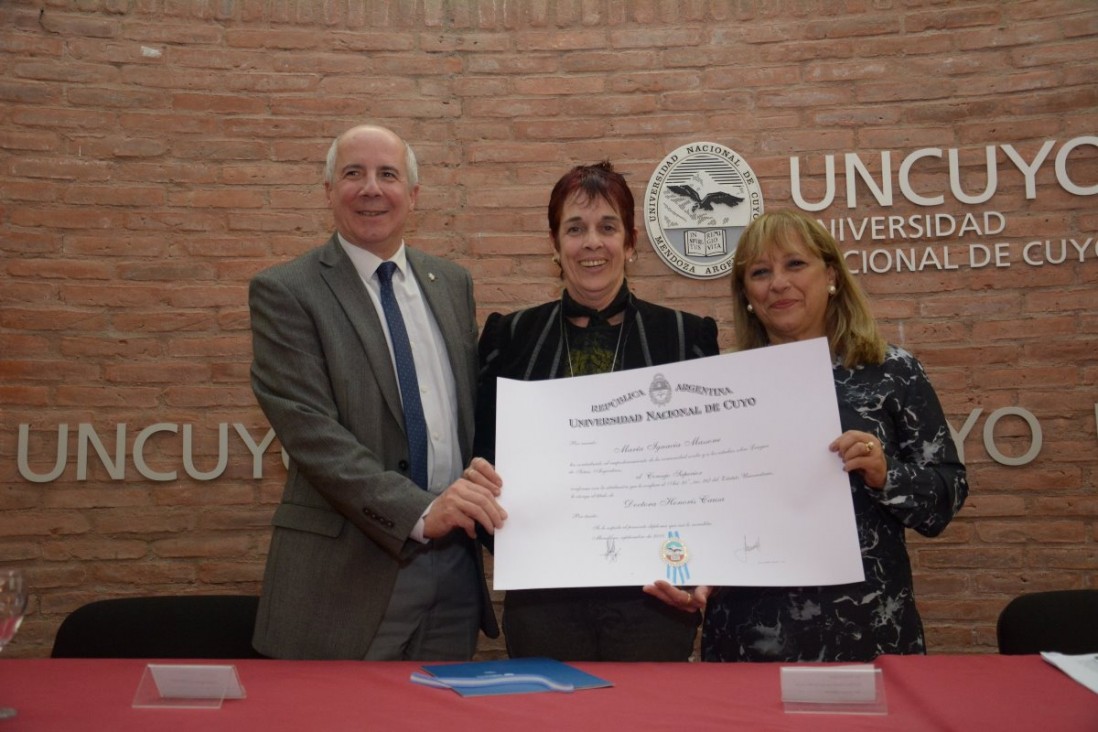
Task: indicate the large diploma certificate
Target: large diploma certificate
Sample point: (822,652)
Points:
(713,471)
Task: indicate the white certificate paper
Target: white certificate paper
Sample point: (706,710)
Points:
(713,471)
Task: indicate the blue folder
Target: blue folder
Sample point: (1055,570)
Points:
(510,676)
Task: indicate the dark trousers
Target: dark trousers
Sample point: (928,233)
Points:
(596,624)
(434,609)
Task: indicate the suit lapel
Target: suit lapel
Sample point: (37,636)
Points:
(342,277)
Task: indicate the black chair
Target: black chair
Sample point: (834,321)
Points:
(1065,621)
(180,626)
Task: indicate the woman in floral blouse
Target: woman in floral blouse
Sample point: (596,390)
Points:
(789,283)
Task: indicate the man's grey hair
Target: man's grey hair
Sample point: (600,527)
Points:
(410,163)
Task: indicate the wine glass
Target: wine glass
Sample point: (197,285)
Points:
(13,603)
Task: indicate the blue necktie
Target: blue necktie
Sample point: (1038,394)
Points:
(414,424)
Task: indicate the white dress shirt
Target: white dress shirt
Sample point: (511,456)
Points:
(438,392)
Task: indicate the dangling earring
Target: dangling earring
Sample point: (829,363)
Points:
(750,308)
(831,290)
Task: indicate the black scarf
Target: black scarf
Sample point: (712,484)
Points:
(573,309)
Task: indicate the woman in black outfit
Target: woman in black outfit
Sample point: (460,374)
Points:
(596,326)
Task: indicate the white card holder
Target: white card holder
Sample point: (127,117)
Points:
(187,686)
(852,689)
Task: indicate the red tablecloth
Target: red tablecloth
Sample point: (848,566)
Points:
(977,692)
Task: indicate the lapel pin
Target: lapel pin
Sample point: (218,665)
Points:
(431,276)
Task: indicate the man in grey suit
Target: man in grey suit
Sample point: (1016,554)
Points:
(363,562)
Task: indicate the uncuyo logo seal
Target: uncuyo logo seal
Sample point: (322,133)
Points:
(699,199)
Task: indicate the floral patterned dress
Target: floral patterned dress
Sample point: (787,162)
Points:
(926,486)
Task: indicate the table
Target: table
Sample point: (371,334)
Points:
(924,693)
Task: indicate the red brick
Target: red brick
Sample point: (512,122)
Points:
(949,638)
(1051,532)
(984,609)
(980,505)
(200,546)
(213,102)
(24,396)
(971,558)
(1075,558)
(513,63)
(106,397)
(224,573)
(43,523)
(147,574)
(114,195)
(1011,584)
(119,98)
(675,38)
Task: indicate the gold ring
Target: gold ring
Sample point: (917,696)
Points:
(868,447)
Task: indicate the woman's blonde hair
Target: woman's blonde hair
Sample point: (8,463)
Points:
(851,330)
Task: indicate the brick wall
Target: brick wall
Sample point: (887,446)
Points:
(154,154)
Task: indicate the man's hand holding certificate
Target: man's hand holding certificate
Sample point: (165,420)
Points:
(713,471)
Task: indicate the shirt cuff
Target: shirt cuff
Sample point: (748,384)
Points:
(417,530)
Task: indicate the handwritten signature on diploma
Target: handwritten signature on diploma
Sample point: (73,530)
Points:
(748,549)
(611,554)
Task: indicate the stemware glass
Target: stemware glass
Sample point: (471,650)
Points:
(13,603)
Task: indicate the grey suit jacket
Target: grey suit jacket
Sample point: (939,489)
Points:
(323,376)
